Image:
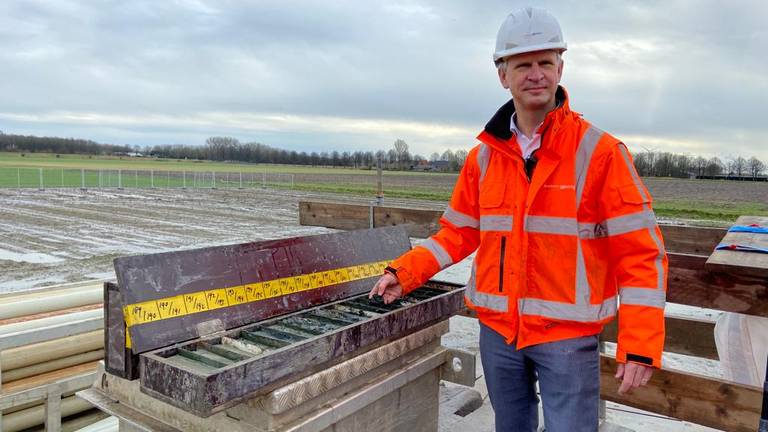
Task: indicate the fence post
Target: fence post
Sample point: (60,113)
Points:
(184,175)
(213,174)
(53,410)
(18,177)
(292,183)
(41,179)
(380,181)
(264,178)
(82,178)
(152,179)
(100,176)
(241,179)
(120,179)
(62,178)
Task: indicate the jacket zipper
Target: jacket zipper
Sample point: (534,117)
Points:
(501,263)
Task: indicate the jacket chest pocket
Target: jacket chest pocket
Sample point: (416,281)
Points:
(491,195)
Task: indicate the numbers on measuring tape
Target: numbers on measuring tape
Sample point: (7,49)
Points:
(186,304)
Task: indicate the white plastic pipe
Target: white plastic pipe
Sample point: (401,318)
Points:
(39,304)
(61,363)
(15,358)
(41,323)
(34,416)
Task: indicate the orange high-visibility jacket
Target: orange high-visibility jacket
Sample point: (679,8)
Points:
(556,253)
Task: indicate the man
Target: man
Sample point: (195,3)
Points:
(563,228)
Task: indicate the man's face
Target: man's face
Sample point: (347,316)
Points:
(532,78)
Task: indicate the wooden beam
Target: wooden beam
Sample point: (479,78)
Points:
(334,215)
(698,399)
(690,239)
(420,223)
(677,238)
(683,336)
(691,284)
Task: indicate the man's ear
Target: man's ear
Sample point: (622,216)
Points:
(560,70)
(503,76)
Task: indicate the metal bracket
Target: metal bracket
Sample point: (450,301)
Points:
(459,367)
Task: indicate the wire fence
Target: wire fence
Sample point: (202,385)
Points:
(42,178)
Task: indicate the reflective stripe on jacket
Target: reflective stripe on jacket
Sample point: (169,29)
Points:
(559,254)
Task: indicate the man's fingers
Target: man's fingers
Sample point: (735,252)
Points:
(635,375)
(639,374)
(629,377)
(379,287)
(647,373)
(619,371)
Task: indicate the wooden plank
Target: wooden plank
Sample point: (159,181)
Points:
(743,262)
(419,223)
(334,215)
(691,284)
(690,239)
(677,238)
(698,399)
(683,336)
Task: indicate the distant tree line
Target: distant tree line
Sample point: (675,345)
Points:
(665,164)
(222,148)
(34,144)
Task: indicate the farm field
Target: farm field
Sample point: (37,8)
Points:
(708,200)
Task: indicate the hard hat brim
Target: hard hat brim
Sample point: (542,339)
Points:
(558,46)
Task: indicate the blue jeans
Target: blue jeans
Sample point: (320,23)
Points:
(568,372)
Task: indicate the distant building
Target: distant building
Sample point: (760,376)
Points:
(733,177)
(424,165)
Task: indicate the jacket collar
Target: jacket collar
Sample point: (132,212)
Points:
(498,126)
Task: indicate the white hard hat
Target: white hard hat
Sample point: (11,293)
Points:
(527,30)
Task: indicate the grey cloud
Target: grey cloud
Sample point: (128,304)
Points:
(677,68)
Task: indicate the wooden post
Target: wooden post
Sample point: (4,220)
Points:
(380,187)
(53,410)
(41,178)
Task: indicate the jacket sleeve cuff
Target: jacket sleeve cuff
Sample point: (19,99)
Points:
(406,279)
(625,357)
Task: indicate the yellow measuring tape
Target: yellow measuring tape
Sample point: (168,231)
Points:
(187,304)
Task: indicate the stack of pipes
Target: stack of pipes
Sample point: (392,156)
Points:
(44,362)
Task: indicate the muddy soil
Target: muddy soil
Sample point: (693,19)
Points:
(57,236)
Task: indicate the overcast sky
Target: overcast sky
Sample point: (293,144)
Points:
(681,76)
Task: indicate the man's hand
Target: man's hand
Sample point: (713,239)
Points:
(634,374)
(388,287)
